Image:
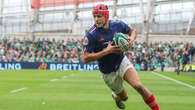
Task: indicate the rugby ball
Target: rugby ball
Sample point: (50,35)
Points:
(121,40)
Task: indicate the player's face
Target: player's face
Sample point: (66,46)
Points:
(99,20)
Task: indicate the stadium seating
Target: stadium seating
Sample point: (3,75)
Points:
(144,56)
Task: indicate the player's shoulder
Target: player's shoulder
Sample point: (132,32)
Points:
(92,30)
(90,33)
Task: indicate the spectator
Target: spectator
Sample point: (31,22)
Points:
(144,56)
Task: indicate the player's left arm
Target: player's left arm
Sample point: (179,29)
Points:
(129,32)
(132,36)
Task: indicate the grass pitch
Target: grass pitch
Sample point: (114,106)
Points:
(85,90)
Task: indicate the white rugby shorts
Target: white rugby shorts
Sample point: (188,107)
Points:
(114,80)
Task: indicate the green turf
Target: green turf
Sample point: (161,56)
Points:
(187,77)
(85,90)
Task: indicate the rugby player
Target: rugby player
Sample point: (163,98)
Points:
(114,66)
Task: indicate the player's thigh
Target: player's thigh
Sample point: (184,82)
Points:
(132,77)
(114,82)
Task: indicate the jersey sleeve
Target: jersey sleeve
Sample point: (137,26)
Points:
(125,28)
(88,43)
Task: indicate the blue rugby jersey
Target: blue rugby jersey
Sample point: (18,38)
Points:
(96,39)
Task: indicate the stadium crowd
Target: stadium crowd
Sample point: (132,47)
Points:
(144,56)
(160,54)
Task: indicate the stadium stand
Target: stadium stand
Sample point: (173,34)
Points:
(144,56)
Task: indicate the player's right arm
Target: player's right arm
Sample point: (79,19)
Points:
(88,50)
(88,57)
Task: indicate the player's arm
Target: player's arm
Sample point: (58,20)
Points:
(89,57)
(132,36)
(130,32)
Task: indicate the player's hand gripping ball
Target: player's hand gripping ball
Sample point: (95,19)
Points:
(121,40)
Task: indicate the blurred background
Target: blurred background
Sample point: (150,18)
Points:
(52,30)
(74,16)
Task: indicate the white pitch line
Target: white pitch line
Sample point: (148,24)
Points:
(53,80)
(176,81)
(18,90)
